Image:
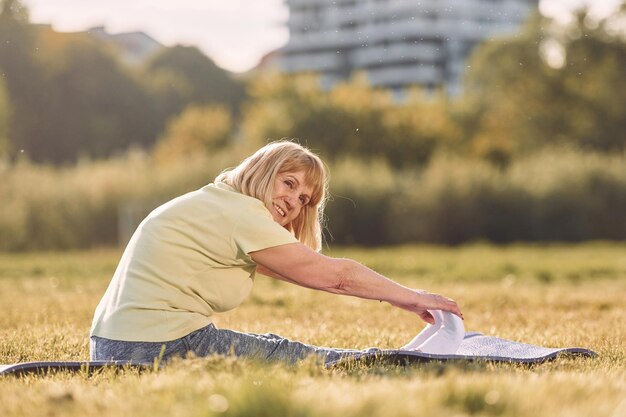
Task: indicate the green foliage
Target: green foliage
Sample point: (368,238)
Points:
(419,127)
(552,196)
(197,130)
(455,201)
(71,97)
(95,107)
(5,117)
(551,85)
(193,78)
(351,119)
(595,88)
(14,9)
(71,207)
(394,180)
(557,195)
(22,75)
(360,198)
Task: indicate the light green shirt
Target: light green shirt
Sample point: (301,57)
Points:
(186,260)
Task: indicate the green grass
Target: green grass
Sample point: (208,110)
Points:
(552,295)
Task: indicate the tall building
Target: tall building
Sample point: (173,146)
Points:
(396,43)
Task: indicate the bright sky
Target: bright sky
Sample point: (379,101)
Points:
(235,33)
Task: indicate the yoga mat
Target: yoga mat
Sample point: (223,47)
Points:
(474,347)
(42,368)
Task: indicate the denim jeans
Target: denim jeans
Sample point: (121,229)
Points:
(211,340)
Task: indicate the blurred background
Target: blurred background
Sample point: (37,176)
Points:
(441,121)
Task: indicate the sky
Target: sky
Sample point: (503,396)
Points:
(234,33)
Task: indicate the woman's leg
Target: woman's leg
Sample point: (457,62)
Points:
(210,340)
(101,349)
(269,347)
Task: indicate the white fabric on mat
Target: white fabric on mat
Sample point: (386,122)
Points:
(444,337)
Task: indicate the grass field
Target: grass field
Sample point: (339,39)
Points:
(552,295)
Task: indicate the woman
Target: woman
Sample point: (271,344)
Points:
(198,254)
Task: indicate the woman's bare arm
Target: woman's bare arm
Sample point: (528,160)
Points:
(272,274)
(301,265)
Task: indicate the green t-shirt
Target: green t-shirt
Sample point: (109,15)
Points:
(186,260)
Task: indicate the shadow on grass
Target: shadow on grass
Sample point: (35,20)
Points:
(430,368)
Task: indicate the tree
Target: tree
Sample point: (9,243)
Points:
(517,100)
(15,10)
(94,106)
(352,119)
(191,78)
(22,75)
(342,121)
(417,127)
(595,86)
(198,130)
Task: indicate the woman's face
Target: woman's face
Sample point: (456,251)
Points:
(289,195)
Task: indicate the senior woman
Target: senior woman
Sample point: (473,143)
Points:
(198,254)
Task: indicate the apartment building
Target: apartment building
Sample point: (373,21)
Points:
(396,43)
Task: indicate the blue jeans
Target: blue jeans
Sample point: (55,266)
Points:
(210,340)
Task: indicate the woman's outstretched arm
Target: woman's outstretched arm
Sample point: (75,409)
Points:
(301,265)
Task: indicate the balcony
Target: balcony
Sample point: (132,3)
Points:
(316,62)
(400,52)
(417,74)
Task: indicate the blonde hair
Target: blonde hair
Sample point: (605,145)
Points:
(255,176)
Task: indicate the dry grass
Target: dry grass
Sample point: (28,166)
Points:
(550,295)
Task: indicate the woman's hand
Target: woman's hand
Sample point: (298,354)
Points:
(425,301)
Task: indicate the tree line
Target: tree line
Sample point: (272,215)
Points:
(532,150)
(65,96)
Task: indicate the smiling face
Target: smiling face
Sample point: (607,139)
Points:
(289,195)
